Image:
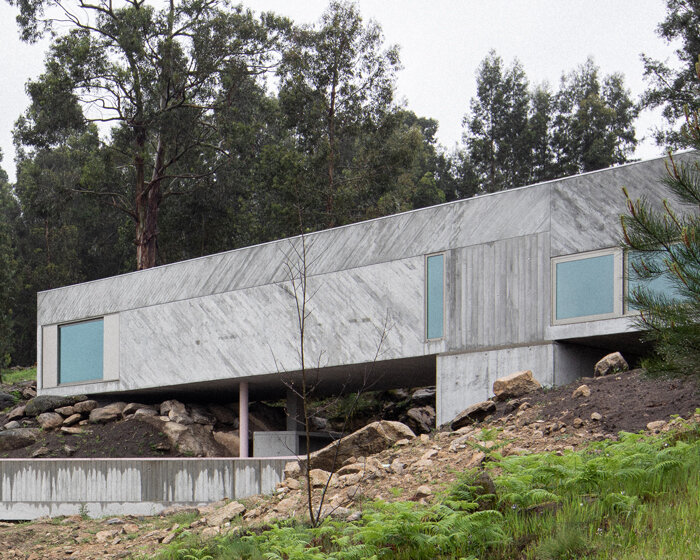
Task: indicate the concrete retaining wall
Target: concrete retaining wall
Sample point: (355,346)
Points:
(50,487)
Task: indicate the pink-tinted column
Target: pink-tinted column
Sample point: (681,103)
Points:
(243,419)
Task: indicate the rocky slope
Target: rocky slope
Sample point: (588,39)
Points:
(386,460)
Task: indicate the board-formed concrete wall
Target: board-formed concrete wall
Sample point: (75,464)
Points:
(49,487)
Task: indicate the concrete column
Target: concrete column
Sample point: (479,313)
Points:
(295,411)
(243,419)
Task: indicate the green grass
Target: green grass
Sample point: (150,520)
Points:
(9,377)
(633,499)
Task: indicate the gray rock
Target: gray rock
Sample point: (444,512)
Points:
(371,439)
(72,419)
(223,414)
(425,395)
(50,420)
(145,412)
(475,413)
(7,400)
(612,363)
(65,411)
(85,407)
(200,415)
(421,419)
(515,385)
(167,406)
(18,438)
(107,413)
(131,408)
(12,425)
(192,439)
(230,441)
(45,403)
(224,514)
(17,412)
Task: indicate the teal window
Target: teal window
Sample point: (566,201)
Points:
(80,351)
(435,296)
(585,287)
(662,284)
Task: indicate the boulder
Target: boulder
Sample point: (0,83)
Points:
(425,395)
(474,413)
(176,412)
(318,478)
(224,514)
(50,420)
(17,412)
(145,412)
(223,414)
(515,385)
(582,391)
(65,411)
(167,406)
(72,419)
(6,400)
(200,415)
(18,438)
(230,441)
(12,425)
(612,363)
(45,403)
(421,419)
(85,407)
(656,426)
(29,392)
(108,413)
(131,408)
(193,439)
(371,439)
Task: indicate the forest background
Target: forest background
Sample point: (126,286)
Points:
(202,155)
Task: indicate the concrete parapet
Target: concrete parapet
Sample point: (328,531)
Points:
(49,487)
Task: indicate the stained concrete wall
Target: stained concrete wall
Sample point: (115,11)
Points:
(231,316)
(51,487)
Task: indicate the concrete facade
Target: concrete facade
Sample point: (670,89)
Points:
(102,487)
(208,324)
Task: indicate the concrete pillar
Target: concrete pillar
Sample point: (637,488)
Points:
(295,411)
(243,419)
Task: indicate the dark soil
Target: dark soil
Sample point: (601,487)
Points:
(626,401)
(127,438)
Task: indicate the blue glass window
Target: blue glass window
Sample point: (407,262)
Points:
(662,284)
(435,297)
(585,287)
(80,351)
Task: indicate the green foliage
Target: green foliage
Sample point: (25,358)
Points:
(515,136)
(666,243)
(635,498)
(674,87)
(9,211)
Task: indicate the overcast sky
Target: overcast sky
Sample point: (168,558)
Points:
(442,43)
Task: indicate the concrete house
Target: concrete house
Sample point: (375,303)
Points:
(458,294)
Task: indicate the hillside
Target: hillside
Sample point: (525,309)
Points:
(415,470)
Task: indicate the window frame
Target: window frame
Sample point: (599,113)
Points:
(442,254)
(618,287)
(59,326)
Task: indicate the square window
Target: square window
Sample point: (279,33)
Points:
(587,286)
(81,351)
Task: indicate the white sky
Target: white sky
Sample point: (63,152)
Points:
(442,43)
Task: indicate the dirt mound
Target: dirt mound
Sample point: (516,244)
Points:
(626,401)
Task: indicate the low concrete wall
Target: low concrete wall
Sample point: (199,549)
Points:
(50,487)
